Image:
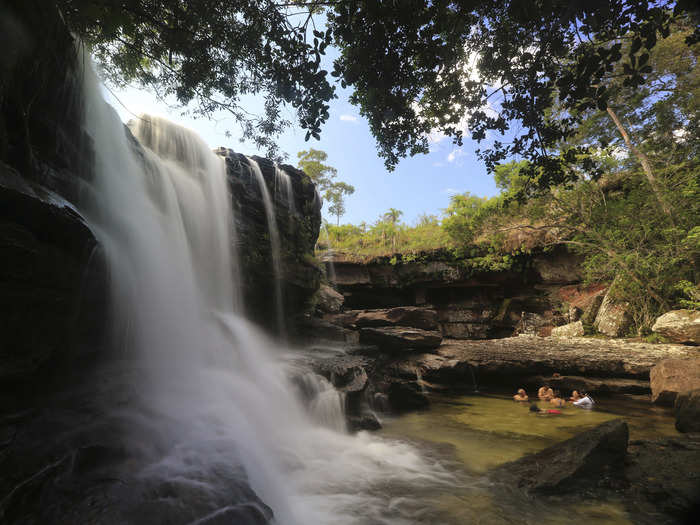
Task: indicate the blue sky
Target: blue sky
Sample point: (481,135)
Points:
(421,184)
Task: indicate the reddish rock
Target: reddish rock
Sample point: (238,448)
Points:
(673,376)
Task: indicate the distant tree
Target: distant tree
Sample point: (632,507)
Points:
(335,194)
(311,162)
(392,216)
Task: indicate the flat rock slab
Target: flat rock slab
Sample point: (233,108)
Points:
(395,338)
(413,316)
(532,355)
(594,454)
(594,385)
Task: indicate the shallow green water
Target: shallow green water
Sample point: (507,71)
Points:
(480,432)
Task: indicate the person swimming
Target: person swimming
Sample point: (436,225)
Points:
(545,393)
(585,401)
(544,412)
(557,401)
(521,395)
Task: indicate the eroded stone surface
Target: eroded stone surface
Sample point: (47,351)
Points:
(687,411)
(530,355)
(394,338)
(329,301)
(672,376)
(613,319)
(574,329)
(681,326)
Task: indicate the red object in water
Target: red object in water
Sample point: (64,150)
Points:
(553,411)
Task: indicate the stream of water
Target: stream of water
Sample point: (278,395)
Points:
(476,433)
(215,400)
(220,400)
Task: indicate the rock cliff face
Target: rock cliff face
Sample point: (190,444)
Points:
(297,211)
(539,293)
(54,297)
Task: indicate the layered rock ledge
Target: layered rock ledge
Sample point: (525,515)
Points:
(527,355)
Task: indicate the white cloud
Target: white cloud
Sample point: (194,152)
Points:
(451,191)
(348,118)
(455,154)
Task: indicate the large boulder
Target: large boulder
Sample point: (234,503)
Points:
(613,318)
(413,316)
(672,376)
(329,301)
(400,338)
(663,480)
(568,330)
(687,411)
(597,454)
(681,326)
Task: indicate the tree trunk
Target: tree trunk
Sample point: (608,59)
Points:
(644,161)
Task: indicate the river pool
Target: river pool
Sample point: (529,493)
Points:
(475,433)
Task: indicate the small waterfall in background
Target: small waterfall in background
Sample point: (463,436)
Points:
(213,398)
(282,178)
(273,231)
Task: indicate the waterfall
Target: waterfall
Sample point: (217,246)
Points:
(273,231)
(283,178)
(212,395)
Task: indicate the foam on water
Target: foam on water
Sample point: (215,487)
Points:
(215,393)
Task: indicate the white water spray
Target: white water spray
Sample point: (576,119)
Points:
(214,393)
(282,178)
(273,232)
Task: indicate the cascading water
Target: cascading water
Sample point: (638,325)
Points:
(214,397)
(274,234)
(282,179)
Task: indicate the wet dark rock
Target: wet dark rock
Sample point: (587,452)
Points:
(298,226)
(671,376)
(593,457)
(687,411)
(345,372)
(367,421)
(312,329)
(406,395)
(663,479)
(400,338)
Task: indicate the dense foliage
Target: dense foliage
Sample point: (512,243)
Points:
(466,66)
(639,233)
(415,67)
(213,53)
